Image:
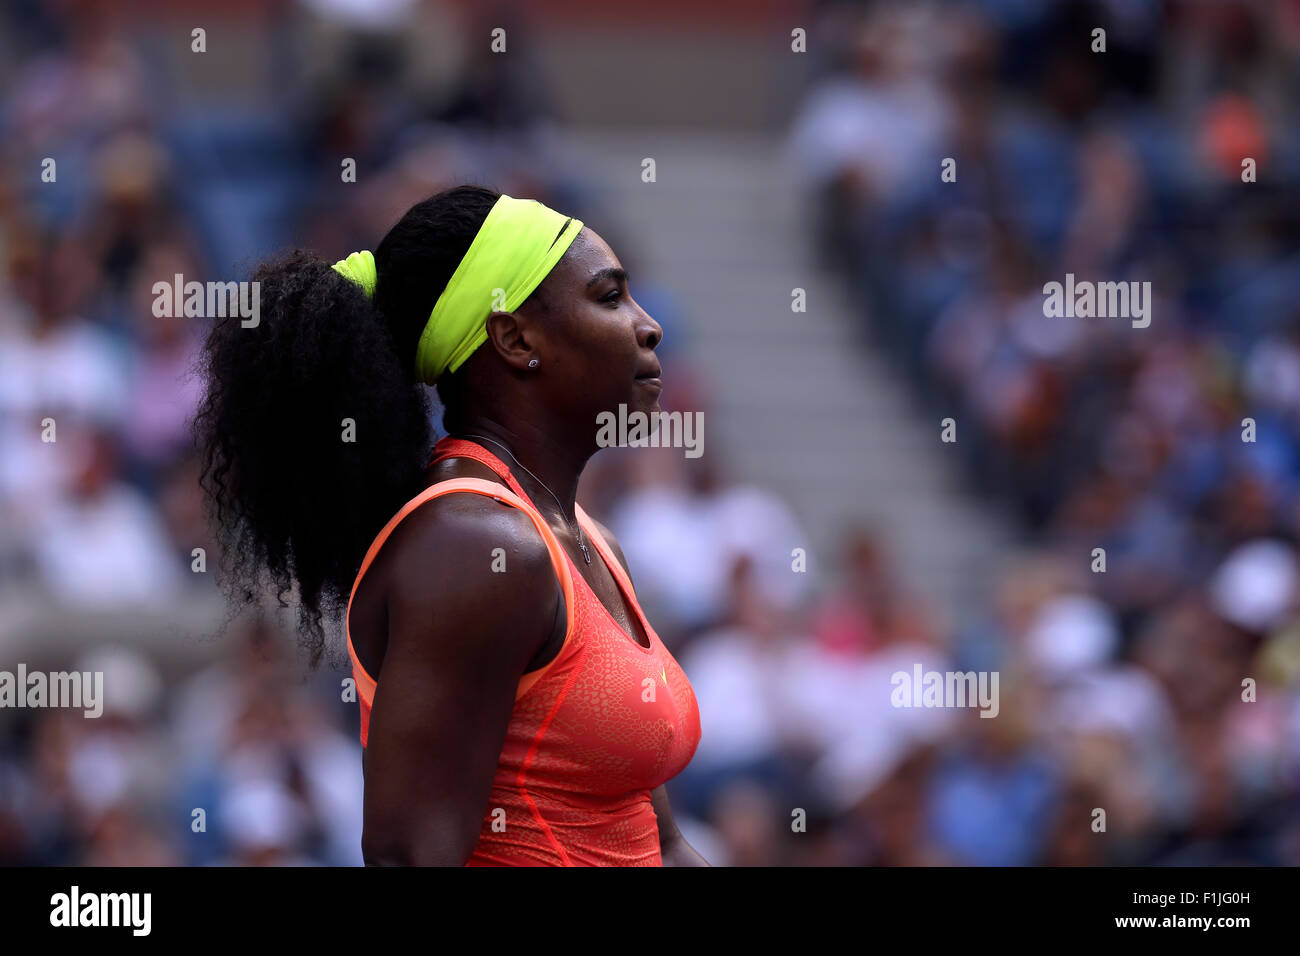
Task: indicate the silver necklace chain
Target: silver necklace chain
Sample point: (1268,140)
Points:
(582,545)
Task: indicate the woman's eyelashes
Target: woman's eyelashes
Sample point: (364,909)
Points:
(612,296)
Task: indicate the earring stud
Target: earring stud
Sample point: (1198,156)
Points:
(532,363)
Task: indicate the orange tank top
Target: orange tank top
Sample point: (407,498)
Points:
(592,733)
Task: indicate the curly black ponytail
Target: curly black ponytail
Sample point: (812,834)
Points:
(314,430)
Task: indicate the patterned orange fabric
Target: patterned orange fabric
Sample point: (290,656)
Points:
(592,733)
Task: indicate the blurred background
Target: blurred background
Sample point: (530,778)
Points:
(776,171)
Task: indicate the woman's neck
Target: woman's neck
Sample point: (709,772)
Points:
(525,448)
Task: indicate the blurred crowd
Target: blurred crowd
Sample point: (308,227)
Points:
(1155,678)
(1120,690)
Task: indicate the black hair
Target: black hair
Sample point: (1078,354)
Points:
(290,498)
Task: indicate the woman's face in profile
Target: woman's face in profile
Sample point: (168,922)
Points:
(597,343)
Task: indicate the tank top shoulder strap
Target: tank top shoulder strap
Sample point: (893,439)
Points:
(450,447)
(559,562)
(606,552)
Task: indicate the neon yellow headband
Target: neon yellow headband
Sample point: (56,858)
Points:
(517,246)
(360,268)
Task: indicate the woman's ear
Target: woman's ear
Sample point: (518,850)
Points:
(508,335)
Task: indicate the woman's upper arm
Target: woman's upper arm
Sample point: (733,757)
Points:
(460,635)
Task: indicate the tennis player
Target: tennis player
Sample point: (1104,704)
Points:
(517,708)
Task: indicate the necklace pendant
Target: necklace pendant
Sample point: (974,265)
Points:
(586,555)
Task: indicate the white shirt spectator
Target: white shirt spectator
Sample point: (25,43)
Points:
(110,549)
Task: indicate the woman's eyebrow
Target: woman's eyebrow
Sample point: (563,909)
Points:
(618,275)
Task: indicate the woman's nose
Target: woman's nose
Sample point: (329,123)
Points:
(650,333)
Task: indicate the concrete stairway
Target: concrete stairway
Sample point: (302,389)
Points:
(799,403)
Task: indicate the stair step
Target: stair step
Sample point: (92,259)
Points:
(796,402)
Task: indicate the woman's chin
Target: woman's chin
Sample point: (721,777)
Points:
(645,396)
